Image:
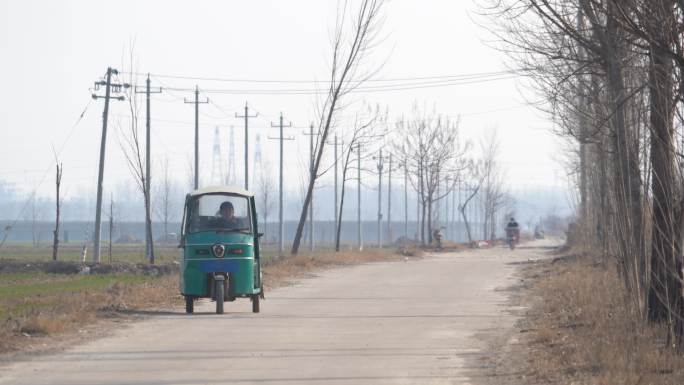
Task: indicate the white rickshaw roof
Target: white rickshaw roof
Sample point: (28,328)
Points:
(222,190)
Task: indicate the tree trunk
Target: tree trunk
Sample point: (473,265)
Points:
(55,238)
(338,225)
(664,300)
(148,228)
(466,224)
(627,172)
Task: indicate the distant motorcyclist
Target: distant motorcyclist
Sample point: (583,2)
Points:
(512,233)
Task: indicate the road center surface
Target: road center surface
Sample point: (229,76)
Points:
(407,322)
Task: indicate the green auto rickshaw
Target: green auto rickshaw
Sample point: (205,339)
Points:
(220,243)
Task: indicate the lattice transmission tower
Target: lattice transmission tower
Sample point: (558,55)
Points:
(257,168)
(230,176)
(217,170)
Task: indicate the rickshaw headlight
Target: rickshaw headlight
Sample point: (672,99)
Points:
(219,250)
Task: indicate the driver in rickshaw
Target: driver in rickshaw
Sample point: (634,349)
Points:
(227,218)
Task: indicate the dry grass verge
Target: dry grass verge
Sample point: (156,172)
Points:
(36,309)
(40,310)
(579,331)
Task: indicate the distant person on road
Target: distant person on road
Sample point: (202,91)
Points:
(513,230)
(437,235)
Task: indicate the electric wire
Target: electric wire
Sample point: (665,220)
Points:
(52,164)
(305,81)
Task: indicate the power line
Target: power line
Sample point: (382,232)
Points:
(309,81)
(367,89)
(47,170)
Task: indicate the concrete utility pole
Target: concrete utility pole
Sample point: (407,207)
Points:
(460,205)
(246,116)
(389,201)
(281,138)
(358,192)
(312,178)
(149,242)
(196,103)
(109,88)
(447,223)
(336,198)
(454,221)
(406,233)
(380,165)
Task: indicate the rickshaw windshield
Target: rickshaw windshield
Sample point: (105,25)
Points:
(220,212)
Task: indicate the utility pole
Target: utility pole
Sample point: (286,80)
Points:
(446,203)
(281,138)
(109,88)
(247,116)
(454,221)
(406,233)
(336,198)
(380,166)
(313,177)
(358,192)
(389,201)
(149,245)
(196,103)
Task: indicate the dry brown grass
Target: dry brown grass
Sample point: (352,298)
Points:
(583,333)
(47,316)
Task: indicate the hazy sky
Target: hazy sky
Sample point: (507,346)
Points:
(53,51)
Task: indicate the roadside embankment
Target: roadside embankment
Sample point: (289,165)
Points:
(576,328)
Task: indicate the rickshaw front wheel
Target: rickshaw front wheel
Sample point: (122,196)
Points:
(189,304)
(255,303)
(220,296)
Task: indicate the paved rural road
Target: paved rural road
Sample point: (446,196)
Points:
(381,323)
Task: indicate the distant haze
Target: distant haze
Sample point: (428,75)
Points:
(54,51)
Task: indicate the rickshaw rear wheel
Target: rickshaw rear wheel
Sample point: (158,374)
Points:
(255,303)
(189,304)
(220,297)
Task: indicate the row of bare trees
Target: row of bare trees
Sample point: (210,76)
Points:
(612,74)
(428,144)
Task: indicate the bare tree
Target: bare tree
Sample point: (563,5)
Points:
(131,146)
(58,204)
(165,205)
(34,216)
(111,226)
(266,188)
(612,73)
(492,183)
(348,54)
(434,156)
(365,130)
(472,180)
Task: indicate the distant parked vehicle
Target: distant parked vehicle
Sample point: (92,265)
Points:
(220,243)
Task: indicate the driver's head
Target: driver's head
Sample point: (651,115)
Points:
(512,219)
(226,210)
